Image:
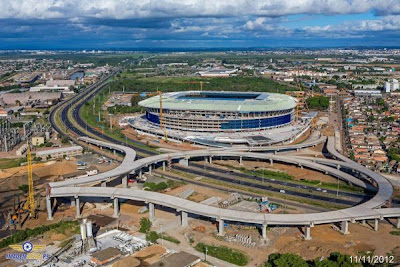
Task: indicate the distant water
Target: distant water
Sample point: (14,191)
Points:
(78,74)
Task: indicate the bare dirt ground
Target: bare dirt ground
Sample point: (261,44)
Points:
(296,172)
(148,140)
(325,240)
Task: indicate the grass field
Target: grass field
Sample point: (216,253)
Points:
(133,83)
(11,163)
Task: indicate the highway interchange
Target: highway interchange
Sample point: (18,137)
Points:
(70,188)
(75,104)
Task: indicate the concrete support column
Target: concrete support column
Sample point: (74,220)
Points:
(364,222)
(241,160)
(104,184)
(163,166)
(271,161)
(125,180)
(151,212)
(301,166)
(307,233)
(49,208)
(184,219)
(116,208)
(264,231)
(140,174)
(150,167)
(78,207)
(345,227)
(297,149)
(275,152)
(338,167)
(221,227)
(398,223)
(210,160)
(376,225)
(73,202)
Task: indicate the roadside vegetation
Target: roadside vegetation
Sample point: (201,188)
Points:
(278,175)
(335,259)
(60,227)
(224,253)
(162,186)
(152,236)
(318,102)
(11,163)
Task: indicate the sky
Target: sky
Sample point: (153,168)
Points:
(187,24)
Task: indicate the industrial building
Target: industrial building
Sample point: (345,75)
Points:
(207,111)
(9,137)
(29,99)
(61,152)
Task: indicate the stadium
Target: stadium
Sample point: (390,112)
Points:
(206,111)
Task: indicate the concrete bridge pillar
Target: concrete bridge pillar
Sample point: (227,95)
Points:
(376,225)
(49,208)
(124,181)
(338,167)
(241,160)
(398,223)
(345,227)
(307,233)
(104,184)
(151,212)
(150,167)
(364,222)
(163,166)
(271,161)
(301,166)
(78,207)
(276,152)
(73,202)
(221,227)
(140,174)
(264,231)
(210,160)
(184,219)
(297,149)
(116,208)
(184,162)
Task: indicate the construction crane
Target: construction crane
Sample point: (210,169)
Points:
(196,82)
(162,125)
(30,203)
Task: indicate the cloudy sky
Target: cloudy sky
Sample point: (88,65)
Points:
(106,24)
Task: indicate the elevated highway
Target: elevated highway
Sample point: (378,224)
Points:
(369,210)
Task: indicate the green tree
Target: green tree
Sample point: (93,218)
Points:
(145,225)
(285,260)
(24,188)
(152,236)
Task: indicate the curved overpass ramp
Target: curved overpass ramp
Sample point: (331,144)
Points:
(364,211)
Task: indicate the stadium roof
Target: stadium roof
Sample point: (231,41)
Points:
(242,102)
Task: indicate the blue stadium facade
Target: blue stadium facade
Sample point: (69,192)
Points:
(221,111)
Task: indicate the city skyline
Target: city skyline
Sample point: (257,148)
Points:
(198,24)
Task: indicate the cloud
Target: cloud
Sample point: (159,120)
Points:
(170,22)
(357,28)
(134,9)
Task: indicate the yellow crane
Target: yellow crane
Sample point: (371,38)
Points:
(196,82)
(30,203)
